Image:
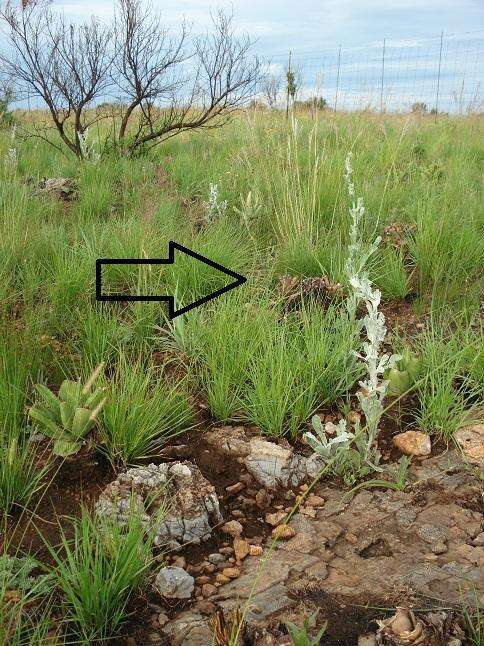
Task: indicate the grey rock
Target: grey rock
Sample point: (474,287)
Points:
(174,500)
(174,583)
(431,533)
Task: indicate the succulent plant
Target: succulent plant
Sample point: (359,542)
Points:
(69,416)
(402,377)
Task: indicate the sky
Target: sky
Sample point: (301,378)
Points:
(314,29)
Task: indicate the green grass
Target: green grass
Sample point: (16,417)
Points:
(97,571)
(143,412)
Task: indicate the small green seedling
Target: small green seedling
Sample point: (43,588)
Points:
(300,634)
(69,416)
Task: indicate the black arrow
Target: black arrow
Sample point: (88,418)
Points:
(172,312)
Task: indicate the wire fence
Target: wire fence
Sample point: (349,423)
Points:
(441,74)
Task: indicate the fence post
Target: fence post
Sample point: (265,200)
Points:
(438,77)
(337,80)
(382,76)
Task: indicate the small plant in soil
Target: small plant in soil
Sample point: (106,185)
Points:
(300,635)
(69,416)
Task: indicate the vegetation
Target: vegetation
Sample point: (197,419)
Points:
(265,197)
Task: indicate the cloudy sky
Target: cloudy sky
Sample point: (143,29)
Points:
(312,24)
(314,29)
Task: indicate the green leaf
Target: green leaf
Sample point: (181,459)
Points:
(51,401)
(82,422)
(66,413)
(399,382)
(50,428)
(64,447)
(94,399)
(70,391)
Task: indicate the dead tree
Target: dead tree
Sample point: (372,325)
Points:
(66,65)
(172,84)
(271,86)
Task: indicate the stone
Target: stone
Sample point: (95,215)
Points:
(208,590)
(275,518)
(439,548)
(255,550)
(221,578)
(231,572)
(479,540)
(314,501)
(235,488)
(283,532)
(206,607)
(263,499)
(201,580)
(413,443)
(216,558)
(241,548)
(431,533)
(367,640)
(179,561)
(233,527)
(163,619)
(471,441)
(226,550)
(192,507)
(351,538)
(174,583)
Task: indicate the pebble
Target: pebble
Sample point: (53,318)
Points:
(413,443)
(237,513)
(241,548)
(163,619)
(201,580)
(479,540)
(255,550)
(439,548)
(351,538)
(283,532)
(206,607)
(231,572)
(208,590)
(263,499)
(308,511)
(276,518)
(216,558)
(303,487)
(314,501)
(180,561)
(226,550)
(221,578)
(233,527)
(235,488)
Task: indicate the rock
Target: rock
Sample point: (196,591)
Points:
(174,583)
(351,538)
(163,619)
(201,580)
(231,572)
(179,561)
(439,548)
(314,501)
(308,511)
(226,550)
(283,532)
(255,550)
(241,548)
(431,533)
(263,499)
(206,607)
(413,443)
(208,590)
(235,488)
(471,441)
(275,518)
(221,578)
(233,527)
(479,540)
(216,558)
(192,510)
(367,640)
(61,186)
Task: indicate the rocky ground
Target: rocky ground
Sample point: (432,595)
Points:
(350,560)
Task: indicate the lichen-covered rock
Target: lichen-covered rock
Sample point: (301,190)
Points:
(413,443)
(173,500)
(174,583)
(471,441)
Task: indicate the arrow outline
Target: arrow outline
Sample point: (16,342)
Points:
(172,312)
